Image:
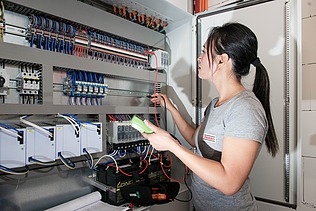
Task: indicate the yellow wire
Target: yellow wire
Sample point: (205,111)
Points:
(14,173)
(66,164)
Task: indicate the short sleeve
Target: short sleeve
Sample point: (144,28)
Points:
(246,119)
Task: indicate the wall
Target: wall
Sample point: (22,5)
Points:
(308,107)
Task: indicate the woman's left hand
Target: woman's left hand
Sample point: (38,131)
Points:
(161,140)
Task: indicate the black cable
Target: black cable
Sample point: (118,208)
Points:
(186,184)
(185,176)
(165,111)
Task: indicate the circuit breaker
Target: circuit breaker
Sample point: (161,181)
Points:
(12,149)
(40,146)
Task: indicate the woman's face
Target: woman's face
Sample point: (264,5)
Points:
(206,69)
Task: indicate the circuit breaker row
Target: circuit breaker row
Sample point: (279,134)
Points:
(121,135)
(24,79)
(25,146)
(123,132)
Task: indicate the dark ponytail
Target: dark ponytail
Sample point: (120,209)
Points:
(261,88)
(241,45)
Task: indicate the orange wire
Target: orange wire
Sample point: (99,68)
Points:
(155,84)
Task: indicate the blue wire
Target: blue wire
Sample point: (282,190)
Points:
(32,40)
(68,161)
(102,38)
(96,100)
(95,78)
(40,162)
(12,171)
(91,77)
(74,117)
(88,158)
(10,127)
(85,76)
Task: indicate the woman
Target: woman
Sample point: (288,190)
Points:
(235,125)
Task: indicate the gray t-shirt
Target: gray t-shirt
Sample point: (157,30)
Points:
(242,117)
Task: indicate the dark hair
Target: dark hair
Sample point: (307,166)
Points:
(241,45)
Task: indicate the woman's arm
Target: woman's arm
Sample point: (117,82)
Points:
(228,176)
(186,130)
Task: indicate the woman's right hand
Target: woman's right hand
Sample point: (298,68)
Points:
(162,99)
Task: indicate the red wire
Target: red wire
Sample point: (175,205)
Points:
(170,158)
(123,172)
(165,173)
(127,174)
(156,118)
(145,167)
(155,84)
(111,118)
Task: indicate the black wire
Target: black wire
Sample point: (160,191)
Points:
(185,173)
(165,111)
(186,184)
(28,100)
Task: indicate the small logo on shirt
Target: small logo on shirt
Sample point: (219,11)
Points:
(209,137)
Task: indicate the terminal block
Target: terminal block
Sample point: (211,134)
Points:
(85,85)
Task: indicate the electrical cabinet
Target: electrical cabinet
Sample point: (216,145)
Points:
(46,72)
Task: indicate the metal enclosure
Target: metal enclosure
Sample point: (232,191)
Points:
(272,179)
(44,187)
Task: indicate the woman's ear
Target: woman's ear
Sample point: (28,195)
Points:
(223,58)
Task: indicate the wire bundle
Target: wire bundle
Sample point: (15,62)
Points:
(153,22)
(85,88)
(51,35)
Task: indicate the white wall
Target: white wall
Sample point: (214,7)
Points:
(307,197)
